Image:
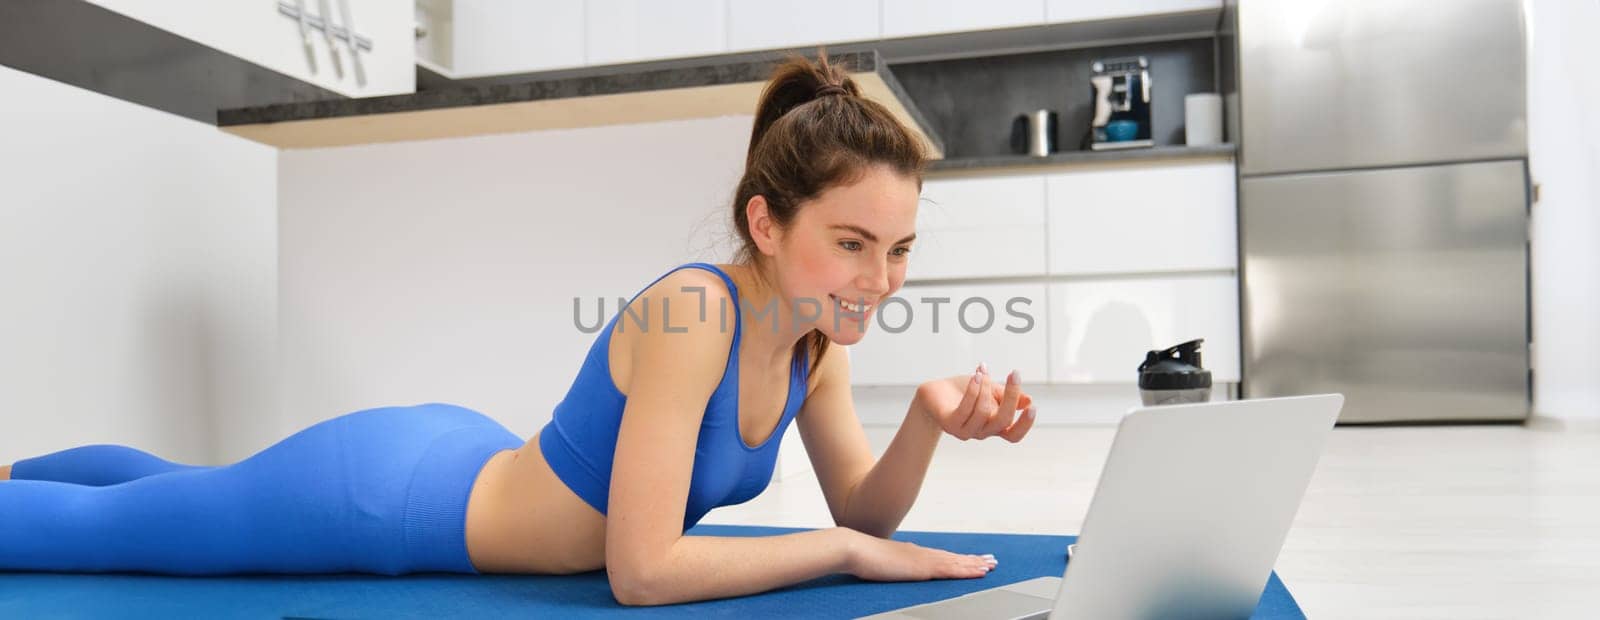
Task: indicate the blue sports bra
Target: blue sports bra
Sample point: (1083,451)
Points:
(580,440)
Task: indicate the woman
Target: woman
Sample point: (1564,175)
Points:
(641,447)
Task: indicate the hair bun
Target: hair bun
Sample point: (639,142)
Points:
(830,89)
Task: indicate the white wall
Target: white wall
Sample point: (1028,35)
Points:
(255,31)
(444,270)
(1564,154)
(137,277)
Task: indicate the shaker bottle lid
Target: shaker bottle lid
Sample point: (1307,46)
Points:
(1175,368)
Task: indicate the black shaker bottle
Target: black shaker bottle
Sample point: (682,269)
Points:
(1174,376)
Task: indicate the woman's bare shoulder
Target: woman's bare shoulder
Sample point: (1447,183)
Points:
(688,311)
(682,299)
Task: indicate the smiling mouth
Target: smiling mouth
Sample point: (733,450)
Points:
(850,308)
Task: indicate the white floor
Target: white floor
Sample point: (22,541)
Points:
(1400,522)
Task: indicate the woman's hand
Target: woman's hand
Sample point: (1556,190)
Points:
(882,559)
(974,407)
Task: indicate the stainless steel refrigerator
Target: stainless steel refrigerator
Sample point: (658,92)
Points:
(1384,206)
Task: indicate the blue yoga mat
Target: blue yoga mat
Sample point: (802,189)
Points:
(128,595)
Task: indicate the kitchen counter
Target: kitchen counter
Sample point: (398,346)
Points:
(952,89)
(730,85)
(1000,163)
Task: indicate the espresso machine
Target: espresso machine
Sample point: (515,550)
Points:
(1121,104)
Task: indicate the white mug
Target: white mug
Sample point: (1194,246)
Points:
(1202,119)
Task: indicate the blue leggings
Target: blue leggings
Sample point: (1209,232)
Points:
(375,491)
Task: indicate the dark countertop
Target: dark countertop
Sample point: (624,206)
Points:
(729,83)
(750,70)
(731,69)
(1080,157)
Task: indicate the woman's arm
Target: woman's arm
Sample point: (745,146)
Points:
(649,561)
(672,373)
(708,567)
(862,495)
(879,501)
(714,567)
(874,497)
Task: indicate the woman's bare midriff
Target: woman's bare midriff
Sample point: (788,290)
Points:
(522,519)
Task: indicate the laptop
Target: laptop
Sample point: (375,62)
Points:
(1192,507)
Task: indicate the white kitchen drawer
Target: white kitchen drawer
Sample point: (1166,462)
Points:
(1176,216)
(619,31)
(1101,329)
(906,18)
(513,36)
(917,354)
(977,227)
(766,24)
(1084,10)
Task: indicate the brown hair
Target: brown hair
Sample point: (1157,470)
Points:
(814,131)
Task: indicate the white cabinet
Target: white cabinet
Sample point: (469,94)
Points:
(1178,216)
(1085,10)
(619,31)
(1128,258)
(1001,325)
(492,37)
(257,33)
(1101,329)
(906,18)
(976,227)
(765,24)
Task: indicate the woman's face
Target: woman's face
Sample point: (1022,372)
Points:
(850,245)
